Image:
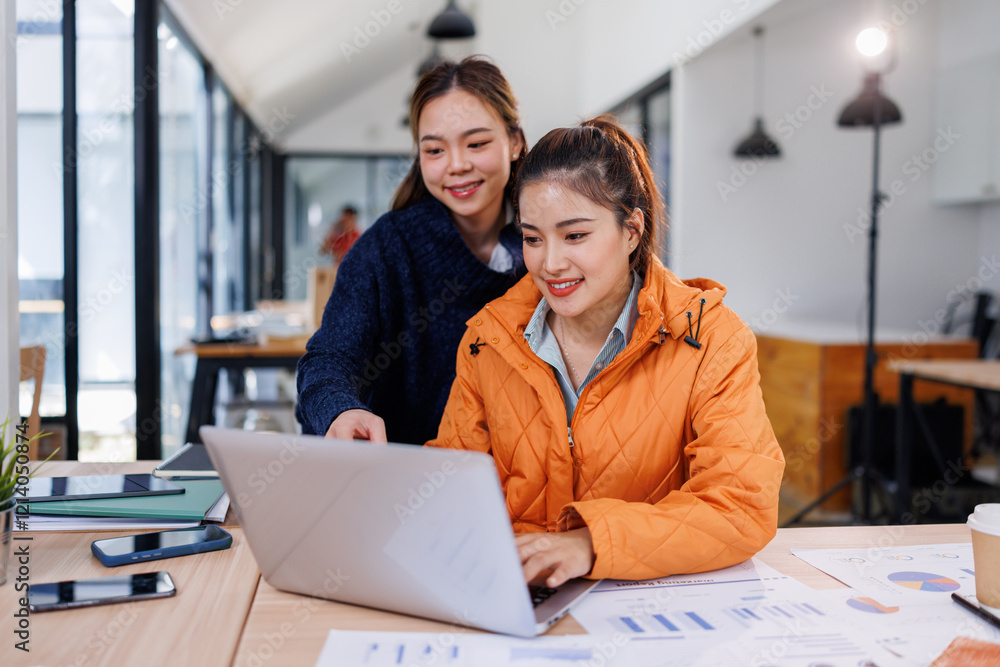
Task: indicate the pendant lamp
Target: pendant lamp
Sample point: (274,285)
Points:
(451,23)
(759,143)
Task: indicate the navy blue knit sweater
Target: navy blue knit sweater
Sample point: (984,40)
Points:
(392,326)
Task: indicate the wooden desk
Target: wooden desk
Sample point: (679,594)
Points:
(200,625)
(966,373)
(293,629)
(810,377)
(281,353)
(225,614)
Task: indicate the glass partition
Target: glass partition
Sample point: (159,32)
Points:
(183,221)
(106,96)
(40,166)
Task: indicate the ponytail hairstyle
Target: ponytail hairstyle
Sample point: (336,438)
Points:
(601,161)
(478,77)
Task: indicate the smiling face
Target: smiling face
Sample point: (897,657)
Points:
(465,157)
(576,252)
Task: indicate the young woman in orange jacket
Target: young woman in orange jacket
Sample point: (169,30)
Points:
(621,404)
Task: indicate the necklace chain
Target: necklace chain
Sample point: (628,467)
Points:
(566,354)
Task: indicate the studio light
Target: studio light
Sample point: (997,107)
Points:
(451,23)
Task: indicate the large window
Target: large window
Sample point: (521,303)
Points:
(77,178)
(647,116)
(183,222)
(106,98)
(40,163)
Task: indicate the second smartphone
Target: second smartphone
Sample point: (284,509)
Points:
(165,544)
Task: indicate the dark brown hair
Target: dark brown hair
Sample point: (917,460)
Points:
(600,160)
(480,78)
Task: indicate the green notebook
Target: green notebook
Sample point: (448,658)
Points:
(198,497)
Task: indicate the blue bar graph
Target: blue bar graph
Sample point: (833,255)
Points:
(632,625)
(667,624)
(751,614)
(399,658)
(813,609)
(568,654)
(699,620)
(782,611)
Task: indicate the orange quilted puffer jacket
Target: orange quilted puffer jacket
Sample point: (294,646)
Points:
(670,460)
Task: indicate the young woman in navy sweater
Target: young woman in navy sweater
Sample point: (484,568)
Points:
(382,363)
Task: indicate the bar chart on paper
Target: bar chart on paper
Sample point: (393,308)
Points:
(682,623)
(387,649)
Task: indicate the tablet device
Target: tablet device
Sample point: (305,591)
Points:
(191,460)
(86,487)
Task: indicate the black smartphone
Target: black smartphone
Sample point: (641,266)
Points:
(103,590)
(166,544)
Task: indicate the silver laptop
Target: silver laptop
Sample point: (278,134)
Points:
(415,530)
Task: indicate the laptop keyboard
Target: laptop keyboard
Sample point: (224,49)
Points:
(540,594)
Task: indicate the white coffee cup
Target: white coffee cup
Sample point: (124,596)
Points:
(985,525)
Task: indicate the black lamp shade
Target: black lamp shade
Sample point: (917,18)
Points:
(451,23)
(861,111)
(758,144)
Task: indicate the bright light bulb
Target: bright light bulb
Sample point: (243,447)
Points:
(871,42)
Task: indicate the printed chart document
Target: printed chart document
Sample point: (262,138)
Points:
(420,649)
(896,575)
(902,594)
(749,614)
(378,649)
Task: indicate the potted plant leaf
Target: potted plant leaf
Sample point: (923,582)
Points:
(13,473)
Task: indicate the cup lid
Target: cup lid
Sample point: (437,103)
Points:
(986,519)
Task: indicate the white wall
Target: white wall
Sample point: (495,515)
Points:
(788,227)
(9,347)
(629,44)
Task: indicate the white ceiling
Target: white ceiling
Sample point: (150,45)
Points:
(300,55)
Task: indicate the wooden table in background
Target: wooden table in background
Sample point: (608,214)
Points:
(213,357)
(811,375)
(965,373)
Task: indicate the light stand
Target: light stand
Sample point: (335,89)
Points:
(873,109)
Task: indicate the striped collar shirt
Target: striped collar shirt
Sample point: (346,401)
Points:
(543,343)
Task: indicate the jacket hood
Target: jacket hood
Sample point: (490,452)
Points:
(664,299)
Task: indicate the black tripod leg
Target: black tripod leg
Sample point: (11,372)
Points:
(847,479)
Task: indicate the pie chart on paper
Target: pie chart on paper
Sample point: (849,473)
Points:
(924,581)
